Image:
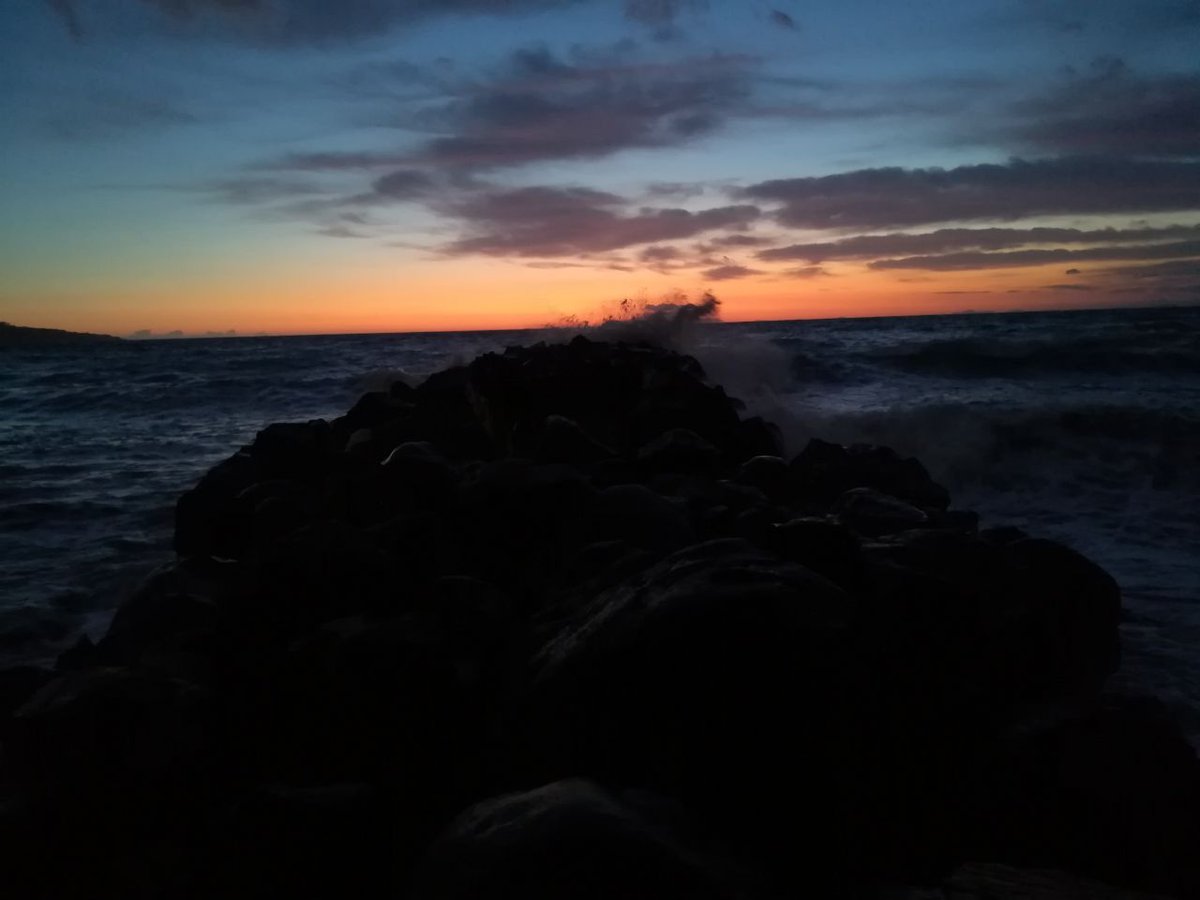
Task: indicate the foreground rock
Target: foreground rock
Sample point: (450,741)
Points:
(562,622)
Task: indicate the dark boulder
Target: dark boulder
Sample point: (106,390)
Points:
(208,519)
(560,440)
(116,739)
(332,840)
(672,402)
(175,617)
(872,513)
(679,450)
(770,474)
(518,521)
(18,684)
(372,410)
(824,471)
(570,839)
(1112,793)
(822,545)
(638,515)
(326,570)
(715,675)
(301,451)
(1074,610)
(381,701)
(414,477)
(751,438)
(446,416)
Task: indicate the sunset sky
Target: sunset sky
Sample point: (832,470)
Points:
(385,165)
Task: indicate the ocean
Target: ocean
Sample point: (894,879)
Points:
(1081,426)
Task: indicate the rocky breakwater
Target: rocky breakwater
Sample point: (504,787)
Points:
(563,623)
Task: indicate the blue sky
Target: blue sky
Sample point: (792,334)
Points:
(168,160)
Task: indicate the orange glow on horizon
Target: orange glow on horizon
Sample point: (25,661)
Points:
(495,295)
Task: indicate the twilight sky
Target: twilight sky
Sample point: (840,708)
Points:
(382,165)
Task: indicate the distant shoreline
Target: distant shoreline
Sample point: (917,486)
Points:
(20,336)
(71,337)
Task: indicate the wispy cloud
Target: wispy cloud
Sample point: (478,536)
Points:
(895,197)
(1110,109)
(956,262)
(783,20)
(551,221)
(309,21)
(728,273)
(872,246)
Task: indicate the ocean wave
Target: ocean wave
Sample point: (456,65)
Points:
(976,357)
(973,442)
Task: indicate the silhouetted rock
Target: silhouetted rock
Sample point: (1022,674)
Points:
(578,561)
(688,678)
(825,547)
(824,471)
(638,515)
(173,615)
(561,440)
(679,450)
(767,473)
(114,740)
(570,839)
(1112,793)
(872,513)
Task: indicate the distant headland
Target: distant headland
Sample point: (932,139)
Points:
(19,336)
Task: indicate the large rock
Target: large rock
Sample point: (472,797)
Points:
(824,471)
(176,618)
(579,561)
(570,839)
(1112,793)
(113,739)
(715,675)
(620,394)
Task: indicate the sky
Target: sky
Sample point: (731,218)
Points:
(304,166)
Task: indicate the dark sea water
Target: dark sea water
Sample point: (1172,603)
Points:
(1081,426)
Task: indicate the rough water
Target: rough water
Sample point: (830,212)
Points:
(1081,426)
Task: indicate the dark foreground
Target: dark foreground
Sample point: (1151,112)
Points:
(562,624)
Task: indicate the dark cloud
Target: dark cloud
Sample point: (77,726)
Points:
(1072,272)
(541,106)
(660,254)
(1144,18)
(880,198)
(1067,287)
(783,20)
(873,246)
(674,190)
(546,108)
(659,13)
(332,161)
(100,114)
(552,221)
(729,272)
(739,240)
(403,184)
(954,262)
(70,18)
(260,190)
(340,230)
(806,272)
(1188,268)
(1109,109)
(312,21)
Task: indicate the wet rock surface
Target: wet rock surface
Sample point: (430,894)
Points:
(562,623)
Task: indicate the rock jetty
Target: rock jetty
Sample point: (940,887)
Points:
(565,623)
